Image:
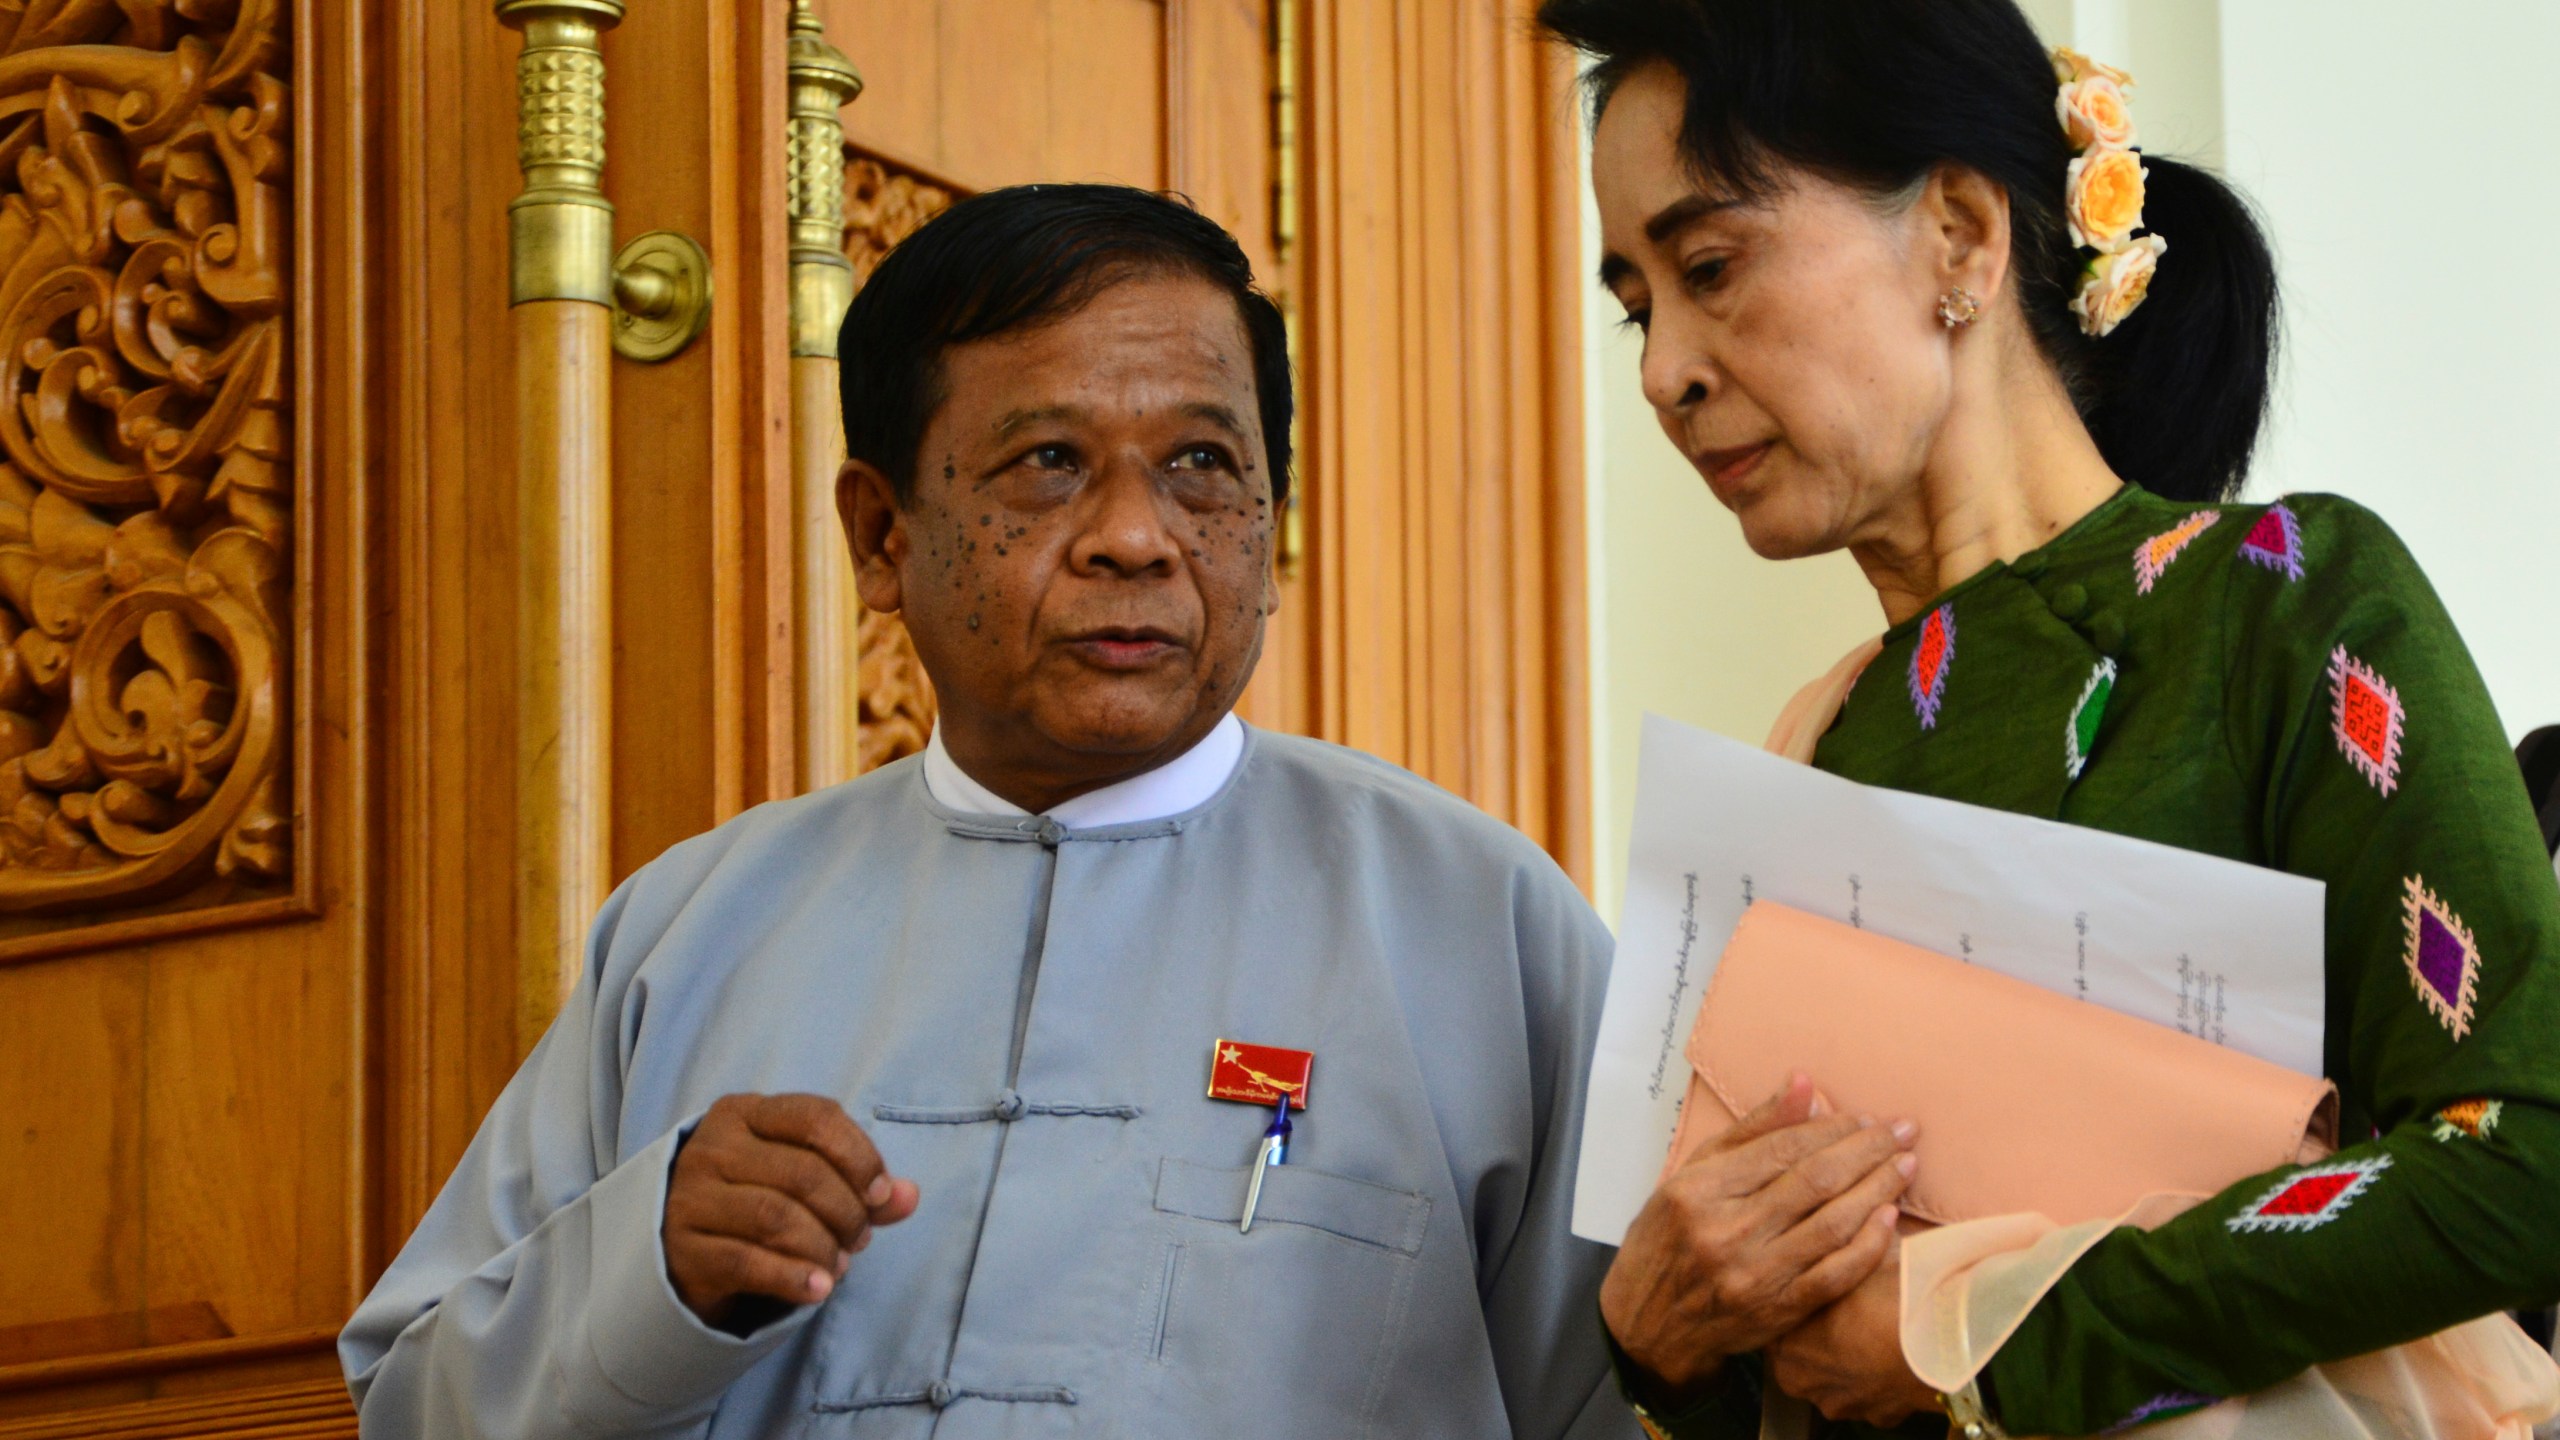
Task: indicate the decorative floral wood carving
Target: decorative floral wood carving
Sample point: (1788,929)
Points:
(895,717)
(145,448)
(885,204)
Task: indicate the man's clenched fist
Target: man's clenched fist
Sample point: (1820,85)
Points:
(773,1196)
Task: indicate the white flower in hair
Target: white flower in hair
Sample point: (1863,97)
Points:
(2102,198)
(2103,191)
(2095,113)
(2116,284)
(2070,65)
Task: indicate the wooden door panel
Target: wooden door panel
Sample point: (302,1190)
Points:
(180,1191)
(183,726)
(71,1094)
(246,1104)
(998,92)
(1102,98)
(695,120)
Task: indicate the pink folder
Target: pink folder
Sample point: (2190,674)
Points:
(2027,1101)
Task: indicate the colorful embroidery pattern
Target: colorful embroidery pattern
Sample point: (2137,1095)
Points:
(2276,542)
(2477,1119)
(2160,1407)
(2311,1198)
(2152,556)
(1930,661)
(2081,734)
(2366,715)
(2444,960)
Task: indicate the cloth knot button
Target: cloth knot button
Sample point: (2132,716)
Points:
(2070,602)
(1009,1106)
(1051,832)
(2107,632)
(941,1395)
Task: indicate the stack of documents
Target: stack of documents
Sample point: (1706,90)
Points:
(2218,949)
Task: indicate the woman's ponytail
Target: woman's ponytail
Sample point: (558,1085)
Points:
(2177,396)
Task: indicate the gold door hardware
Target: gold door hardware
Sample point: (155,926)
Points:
(827,616)
(823,82)
(561,226)
(1285,219)
(561,286)
(661,296)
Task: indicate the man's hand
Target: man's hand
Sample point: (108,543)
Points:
(1847,1360)
(1772,1221)
(773,1196)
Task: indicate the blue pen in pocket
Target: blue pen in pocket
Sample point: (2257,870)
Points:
(1274,1151)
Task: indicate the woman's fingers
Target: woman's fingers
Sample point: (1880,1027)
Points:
(1807,1166)
(1840,1220)
(1794,1104)
(1757,1163)
(1847,1267)
(1790,1105)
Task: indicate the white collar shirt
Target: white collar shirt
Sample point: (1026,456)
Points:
(1186,782)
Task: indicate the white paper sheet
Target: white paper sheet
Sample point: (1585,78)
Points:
(2216,948)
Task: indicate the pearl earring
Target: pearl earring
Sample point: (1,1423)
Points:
(1957,308)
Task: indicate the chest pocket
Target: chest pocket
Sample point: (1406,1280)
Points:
(1299,1318)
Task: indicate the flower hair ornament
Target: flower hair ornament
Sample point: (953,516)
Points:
(2102,192)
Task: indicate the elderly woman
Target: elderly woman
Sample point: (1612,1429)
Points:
(1898,299)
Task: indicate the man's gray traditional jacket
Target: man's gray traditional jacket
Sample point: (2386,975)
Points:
(1021,1016)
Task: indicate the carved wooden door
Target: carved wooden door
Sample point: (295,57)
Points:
(360,624)
(181,873)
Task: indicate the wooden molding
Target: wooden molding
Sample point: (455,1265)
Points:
(311,1410)
(162,1360)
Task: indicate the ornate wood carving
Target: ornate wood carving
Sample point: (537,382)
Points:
(896,717)
(884,204)
(146,492)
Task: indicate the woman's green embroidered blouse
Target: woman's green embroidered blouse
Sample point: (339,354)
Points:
(2276,684)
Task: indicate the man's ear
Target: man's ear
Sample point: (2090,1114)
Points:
(875,530)
(1965,216)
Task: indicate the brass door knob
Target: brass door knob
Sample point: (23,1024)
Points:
(661,296)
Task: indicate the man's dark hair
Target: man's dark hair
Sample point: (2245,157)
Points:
(1025,256)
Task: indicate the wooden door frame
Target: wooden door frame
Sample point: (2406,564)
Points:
(1449,564)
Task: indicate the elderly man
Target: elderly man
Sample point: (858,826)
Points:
(950,1101)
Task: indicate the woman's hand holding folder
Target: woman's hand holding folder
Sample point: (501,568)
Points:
(1766,1225)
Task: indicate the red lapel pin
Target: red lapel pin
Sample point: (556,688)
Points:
(1259,1074)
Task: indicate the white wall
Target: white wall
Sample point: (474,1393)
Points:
(2398,159)
(2399,174)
